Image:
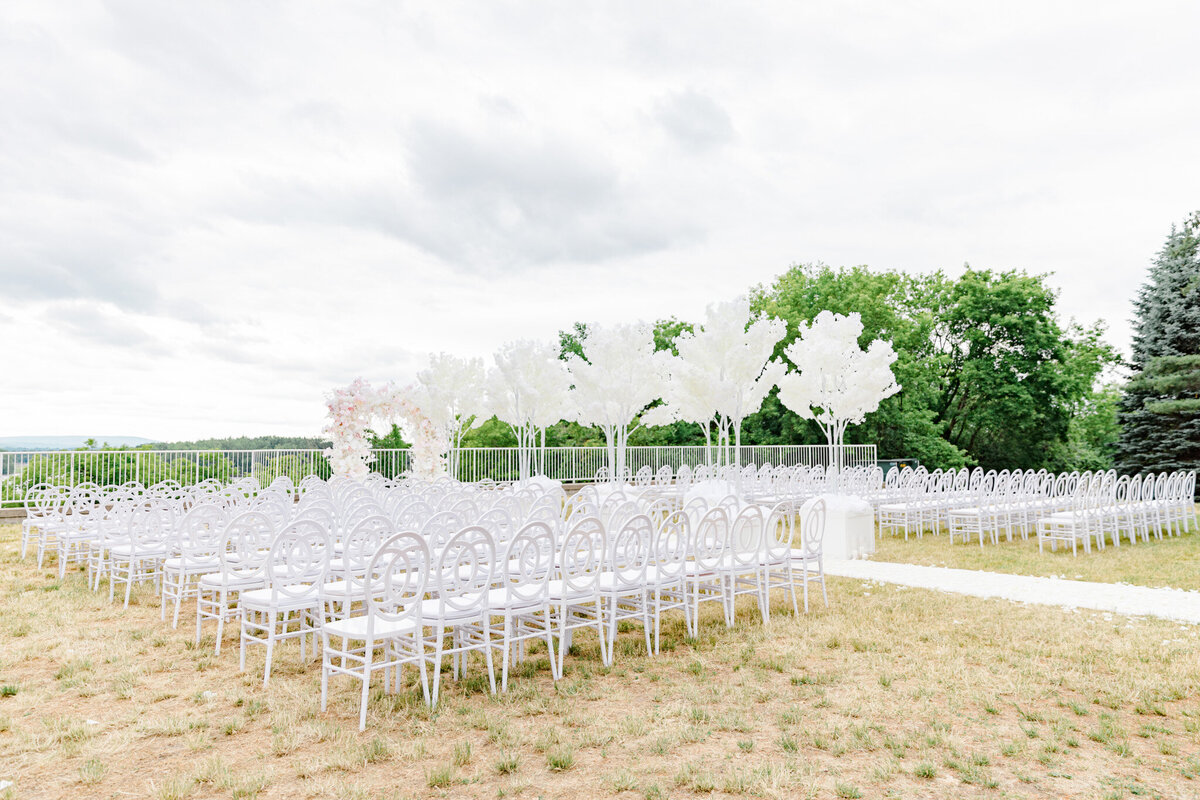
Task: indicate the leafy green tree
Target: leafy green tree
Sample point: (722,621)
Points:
(1160,410)
(989,375)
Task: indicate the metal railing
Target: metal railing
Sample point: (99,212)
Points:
(21,470)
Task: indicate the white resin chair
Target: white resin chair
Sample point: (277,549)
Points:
(575,593)
(462,577)
(199,535)
(391,633)
(346,585)
(244,547)
(810,558)
(290,605)
(622,584)
(779,535)
(665,589)
(522,601)
(140,558)
(702,573)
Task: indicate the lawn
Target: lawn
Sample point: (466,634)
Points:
(892,692)
(1173,561)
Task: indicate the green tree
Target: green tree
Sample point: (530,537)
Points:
(989,375)
(1160,409)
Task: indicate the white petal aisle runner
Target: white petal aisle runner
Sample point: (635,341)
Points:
(1175,604)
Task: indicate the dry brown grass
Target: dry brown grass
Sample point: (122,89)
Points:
(891,693)
(1173,561)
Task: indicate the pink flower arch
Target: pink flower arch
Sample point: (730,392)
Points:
(351,411)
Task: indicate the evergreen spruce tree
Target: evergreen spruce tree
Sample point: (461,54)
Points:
(1160,409)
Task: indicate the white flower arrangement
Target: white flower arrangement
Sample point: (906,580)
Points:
(351,411)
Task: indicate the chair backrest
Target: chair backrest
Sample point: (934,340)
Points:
(528,563)
(200,530)
(438,529)
(151,523)
(581,557)
(779,531)
(397,579)
(672,542)
(360,545)
(695,509)
(320,512)
(812,532)
(711,540)
(464,570)
(499,522)
(299,559)
(413,516)
(619,514)
(747,542)
(542,512)
(630,551)
(247,538)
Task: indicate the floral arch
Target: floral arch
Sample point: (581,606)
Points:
(352,410)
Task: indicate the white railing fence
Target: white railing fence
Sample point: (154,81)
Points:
(21,470)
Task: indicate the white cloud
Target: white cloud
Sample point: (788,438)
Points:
(213,213)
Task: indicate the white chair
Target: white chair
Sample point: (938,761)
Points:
(575,593)
(461,580)
(199,543)
(39,500)
(665,588)
(523,599)
(777,560)
(741,568)
(395,584)
(622,584)
(702,575)
(811,553)
(290,604)
(348,572)
(140,558)
(244,546)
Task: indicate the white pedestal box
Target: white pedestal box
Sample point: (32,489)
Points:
(849,526)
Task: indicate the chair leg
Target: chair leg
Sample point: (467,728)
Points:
(366,688)
(271,617)
(507,653)
(325,678)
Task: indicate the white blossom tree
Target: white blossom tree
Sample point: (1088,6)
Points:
(723,373)
(836,382)
(619,375)
(452,397)
(528,390)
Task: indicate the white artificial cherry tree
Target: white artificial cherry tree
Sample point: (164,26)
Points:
(724,372)
(528,389)
(452,397)
(619,375)
(836,382)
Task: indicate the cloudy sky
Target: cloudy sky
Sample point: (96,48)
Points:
(212,213)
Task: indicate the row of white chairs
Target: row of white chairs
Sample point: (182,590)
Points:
(309,562)
(982,505)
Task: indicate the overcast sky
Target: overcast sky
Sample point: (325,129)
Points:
(212,213)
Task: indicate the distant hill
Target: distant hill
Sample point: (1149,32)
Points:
(68,442)
(248,443)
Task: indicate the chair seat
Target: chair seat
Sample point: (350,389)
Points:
(265,599)
(134,551)
(356,628)
(192,565)
(559,594)
(432,609)
(499,600)
(232,580)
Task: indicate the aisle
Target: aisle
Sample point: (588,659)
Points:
(1176,604)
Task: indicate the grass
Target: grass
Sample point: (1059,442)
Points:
(891,692)
(1174,561)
